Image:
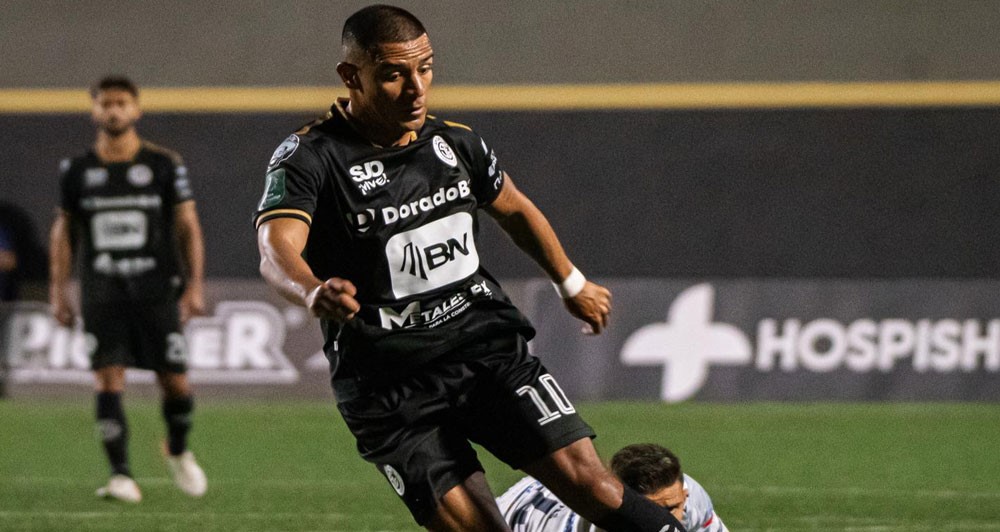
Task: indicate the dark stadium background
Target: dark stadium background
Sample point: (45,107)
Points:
(827,161)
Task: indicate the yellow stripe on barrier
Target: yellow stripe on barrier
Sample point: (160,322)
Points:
(538,97)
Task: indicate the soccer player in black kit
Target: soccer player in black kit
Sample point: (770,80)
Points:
(368,219)
(127,206)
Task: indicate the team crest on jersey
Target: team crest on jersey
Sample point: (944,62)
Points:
(394,479)
(95,177)
(139,175)
(444,151)
(284,150)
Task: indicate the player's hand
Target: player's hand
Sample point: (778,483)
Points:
(334,300)
(192,302)
(592,305)
(62,310)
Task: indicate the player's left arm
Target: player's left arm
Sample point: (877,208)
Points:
(192,245)
(531,231)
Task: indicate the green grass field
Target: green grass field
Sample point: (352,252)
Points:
(284,466)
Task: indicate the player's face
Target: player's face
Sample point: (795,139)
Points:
(393,86)
(672,498)
(115,111)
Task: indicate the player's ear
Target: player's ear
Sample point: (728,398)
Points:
(349,75)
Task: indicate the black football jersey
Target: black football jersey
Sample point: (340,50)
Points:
(122,223)
(400,223)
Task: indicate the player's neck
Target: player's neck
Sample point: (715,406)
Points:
(117,148)
(379,136)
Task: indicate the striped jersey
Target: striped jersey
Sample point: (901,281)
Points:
(528,506)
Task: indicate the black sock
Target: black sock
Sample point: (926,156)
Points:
(177,413)
(113,430)
(639,514)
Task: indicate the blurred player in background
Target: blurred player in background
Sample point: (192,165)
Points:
(8,292)
(128,212)
(369,220)
(650,469)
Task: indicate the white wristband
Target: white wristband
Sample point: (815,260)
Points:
(572,285)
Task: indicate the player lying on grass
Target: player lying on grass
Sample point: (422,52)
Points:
(648,468)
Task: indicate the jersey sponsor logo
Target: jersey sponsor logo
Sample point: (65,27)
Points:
(284,150)
(119,230)
(413,315)
(493,159)
(369,176)
(95,177)
(242,343)
(395,479)
(417,261)
(182,185)
(274,190)
(690,342)
(139,175)
(124,267)
(444,151)
(433,255)
(443,195)
(362,221)
(147,201)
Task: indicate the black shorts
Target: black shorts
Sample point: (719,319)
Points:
(417,430)
(145,335)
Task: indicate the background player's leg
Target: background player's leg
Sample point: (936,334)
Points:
(577,476)
(178,404)
(111,423)
(468,506)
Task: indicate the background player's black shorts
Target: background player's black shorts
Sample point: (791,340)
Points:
(417,430)
(144,335)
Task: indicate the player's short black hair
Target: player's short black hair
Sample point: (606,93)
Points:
(114,82)
(378,24)
(646,467)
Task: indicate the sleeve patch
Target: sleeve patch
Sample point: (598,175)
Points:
(274,189)
(284,150)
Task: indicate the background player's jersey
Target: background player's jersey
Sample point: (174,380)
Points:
(528,506)
(401,224)
(122,223)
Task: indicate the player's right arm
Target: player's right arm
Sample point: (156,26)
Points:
(60,268)
(281,242)
(284,217)
(61,245)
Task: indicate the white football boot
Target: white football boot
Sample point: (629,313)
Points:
(122,488)
(187,474)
